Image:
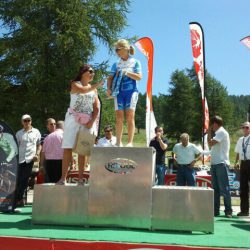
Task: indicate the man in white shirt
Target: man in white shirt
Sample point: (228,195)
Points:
(242,150)
(109,140)
(185,157)
(220,145)
(29,144)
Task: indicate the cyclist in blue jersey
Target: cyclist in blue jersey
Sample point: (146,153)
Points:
(122,85)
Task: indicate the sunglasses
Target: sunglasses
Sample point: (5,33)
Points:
(91,71)
(118,49)
(26,120)
(107,131)
(52,124)
(245,127)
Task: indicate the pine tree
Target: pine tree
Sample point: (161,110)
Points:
(44,44)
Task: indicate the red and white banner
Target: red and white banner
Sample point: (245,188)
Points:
(198,53)
(197,40)
(246,41)
(145,45)
(206,114)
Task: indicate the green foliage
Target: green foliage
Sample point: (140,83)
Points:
(107,111)
(140,112)
(45,43)
(241,108)
(181,106)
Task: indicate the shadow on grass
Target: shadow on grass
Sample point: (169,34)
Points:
(28,225)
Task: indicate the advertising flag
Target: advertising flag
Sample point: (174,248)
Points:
(197,41)
(198,53)
(145,45)
(246,41)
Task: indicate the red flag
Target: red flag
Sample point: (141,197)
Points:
(145,45)
(246,41)
(206,121)
(197,40)
(198,53)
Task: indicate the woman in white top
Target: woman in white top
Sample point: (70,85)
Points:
(83,102)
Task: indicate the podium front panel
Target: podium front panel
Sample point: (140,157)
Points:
(120,186)
(183,208)
(60,205)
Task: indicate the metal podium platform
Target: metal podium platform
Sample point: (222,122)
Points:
(120,193)
(62,205)
(183,208)
(120,187)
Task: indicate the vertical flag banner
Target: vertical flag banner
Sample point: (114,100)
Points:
(145,45)
(198,53)
(246,41)
(197,41)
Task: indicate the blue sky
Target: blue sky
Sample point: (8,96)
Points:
(166,22)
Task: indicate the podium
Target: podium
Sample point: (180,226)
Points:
(121,193)
(120,187)
(183,208)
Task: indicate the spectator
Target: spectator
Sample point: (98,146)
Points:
(185,159)
(109,140)
(52,153)
(82,114)
(29,144)
(220,145)
(160,144)
(122,85)
(242,151)
(51,127)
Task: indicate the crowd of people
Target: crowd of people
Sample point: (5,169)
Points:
(54,149)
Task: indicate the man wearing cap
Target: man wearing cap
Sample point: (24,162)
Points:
(242,150)
(29,144)
(220,145)
(109,140)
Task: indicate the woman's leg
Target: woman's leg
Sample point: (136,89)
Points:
(67,157)
(130,118)
(119,126)
(82,162)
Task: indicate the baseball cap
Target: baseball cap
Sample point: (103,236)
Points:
(245,124)
(26,116)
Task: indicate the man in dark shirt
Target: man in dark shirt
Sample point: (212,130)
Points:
(160,144)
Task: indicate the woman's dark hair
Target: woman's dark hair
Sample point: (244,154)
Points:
(84,68)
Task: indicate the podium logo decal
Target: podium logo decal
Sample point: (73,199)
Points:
(121,166)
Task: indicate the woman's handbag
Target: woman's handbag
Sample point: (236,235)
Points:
(84,142)
(80,118)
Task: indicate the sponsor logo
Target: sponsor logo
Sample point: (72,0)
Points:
(121,166)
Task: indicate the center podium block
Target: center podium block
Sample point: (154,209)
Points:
(120,187)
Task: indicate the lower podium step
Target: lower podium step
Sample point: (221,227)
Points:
(183,208)
(60,205)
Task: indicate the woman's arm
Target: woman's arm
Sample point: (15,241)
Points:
(134,76)
(109,85)
(79,88)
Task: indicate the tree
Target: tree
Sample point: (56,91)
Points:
(179,117)
(45,42)
(140,114)
(218,101)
